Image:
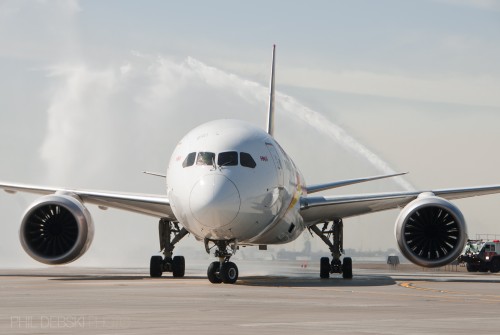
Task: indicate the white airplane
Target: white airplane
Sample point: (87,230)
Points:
(230,184)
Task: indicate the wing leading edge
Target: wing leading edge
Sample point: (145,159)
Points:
(320,209)
(153,205)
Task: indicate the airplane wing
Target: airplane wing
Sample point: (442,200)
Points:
(321,209)
(342,183)
(153,205)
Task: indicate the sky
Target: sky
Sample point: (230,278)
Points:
(94,92)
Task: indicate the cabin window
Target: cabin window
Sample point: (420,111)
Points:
(227,158)
(189,159)
(205,158)
(246,160)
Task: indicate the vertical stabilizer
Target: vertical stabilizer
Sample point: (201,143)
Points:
(270,115)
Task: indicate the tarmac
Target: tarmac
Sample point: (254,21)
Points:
(277,298)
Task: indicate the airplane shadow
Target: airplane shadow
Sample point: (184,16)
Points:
(65,277)
(265,281)
(259,280)
(119,277)
(282,281)
(94,277)
(360,280)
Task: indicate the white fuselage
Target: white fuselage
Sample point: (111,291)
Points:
(229,180)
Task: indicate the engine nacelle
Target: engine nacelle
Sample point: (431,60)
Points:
(56,229)
(431,231)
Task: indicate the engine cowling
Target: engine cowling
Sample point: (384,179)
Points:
(56,229)
(431,231)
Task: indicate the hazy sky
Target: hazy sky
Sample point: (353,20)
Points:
(92,93)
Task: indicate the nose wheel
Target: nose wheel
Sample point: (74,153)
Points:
(227,273)
(222,271)
(213,273)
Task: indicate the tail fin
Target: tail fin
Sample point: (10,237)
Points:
(270,115)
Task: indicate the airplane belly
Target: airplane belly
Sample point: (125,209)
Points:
(244,228)
(252,219)
(285,230)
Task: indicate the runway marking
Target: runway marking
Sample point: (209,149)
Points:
(452,295)
(412,286)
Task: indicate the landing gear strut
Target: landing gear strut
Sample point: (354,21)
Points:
(167,263)
(222,271)
(335,231)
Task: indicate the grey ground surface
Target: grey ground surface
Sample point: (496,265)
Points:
(270,298)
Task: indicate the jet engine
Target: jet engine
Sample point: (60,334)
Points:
(56,229)
(431,231)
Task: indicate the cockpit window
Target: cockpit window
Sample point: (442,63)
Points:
(227,158)
(247,160)
(205,158)
(189,159)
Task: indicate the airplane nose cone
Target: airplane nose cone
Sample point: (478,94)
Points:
(214,201)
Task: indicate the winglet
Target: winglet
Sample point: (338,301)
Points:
(270,114)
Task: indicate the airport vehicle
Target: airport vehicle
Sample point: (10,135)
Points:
(230,184)
(482,256)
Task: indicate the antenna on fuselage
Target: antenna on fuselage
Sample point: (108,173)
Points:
(270,114)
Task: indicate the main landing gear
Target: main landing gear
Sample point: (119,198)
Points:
(168,229)
(222,271)
(335,231)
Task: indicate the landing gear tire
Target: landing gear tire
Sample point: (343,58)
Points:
(472,267)
(228,273)
(495,265)
(347,268)
(178,266)
(324,268)
(483,267)
(156,266)
(169,234)
(213,273)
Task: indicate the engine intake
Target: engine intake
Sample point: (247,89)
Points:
(56,229)
(431,231)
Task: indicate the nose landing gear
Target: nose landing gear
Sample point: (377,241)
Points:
(222,271)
